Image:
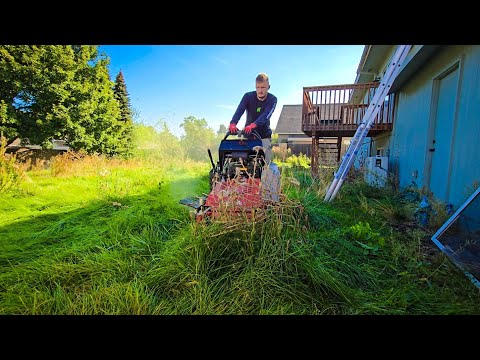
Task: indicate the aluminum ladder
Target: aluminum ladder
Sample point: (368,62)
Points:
(367,120)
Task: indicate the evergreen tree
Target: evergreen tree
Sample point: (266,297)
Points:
(222,130)
(126,114)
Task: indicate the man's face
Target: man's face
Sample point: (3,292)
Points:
(262,89)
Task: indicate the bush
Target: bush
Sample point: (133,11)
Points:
(300,160)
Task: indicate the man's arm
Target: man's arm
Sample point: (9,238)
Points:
(267,114)
(240,110)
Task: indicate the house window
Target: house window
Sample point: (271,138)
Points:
(380,152)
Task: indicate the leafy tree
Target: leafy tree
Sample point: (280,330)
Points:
(92,112)
(198,138)
(126,113)
(144,136)
(162,145)
(7,129)
(172,146)
(59,91)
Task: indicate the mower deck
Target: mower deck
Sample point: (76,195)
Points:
(237,195)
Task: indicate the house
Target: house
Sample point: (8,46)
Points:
(34,152)
(291,136)
(289,130)
(428,125)
(17,145)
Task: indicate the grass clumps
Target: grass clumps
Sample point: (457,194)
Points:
(110,237)
(256,267)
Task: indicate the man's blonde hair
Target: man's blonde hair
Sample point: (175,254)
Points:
(262,77)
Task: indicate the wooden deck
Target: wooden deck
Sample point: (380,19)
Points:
(337,110)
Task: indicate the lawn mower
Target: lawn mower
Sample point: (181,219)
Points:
(240,181)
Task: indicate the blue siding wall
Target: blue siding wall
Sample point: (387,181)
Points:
(413,132)
(409,136)
(465,175)
(362,154)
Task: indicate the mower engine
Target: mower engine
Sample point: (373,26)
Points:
(239,162)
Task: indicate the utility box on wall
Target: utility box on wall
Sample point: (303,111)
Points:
(376,171)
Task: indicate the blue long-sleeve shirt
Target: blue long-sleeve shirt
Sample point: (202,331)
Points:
(258,112)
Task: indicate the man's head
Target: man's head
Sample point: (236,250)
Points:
(261,86)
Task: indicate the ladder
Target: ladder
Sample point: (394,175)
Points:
(367,120)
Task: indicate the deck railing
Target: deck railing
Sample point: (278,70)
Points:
(338,109)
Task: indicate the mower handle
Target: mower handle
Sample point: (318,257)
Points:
(242,132)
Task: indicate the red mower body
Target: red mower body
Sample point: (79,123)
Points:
(233,197)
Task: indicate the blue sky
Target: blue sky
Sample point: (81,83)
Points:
(171,82)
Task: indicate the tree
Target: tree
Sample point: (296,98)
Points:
(198,138)
(59,92)
(7,129)
(126,113)
(222,130)
(121,94)
(161,145)
(91,111)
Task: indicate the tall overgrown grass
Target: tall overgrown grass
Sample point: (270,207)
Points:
(90,235)
(11,174)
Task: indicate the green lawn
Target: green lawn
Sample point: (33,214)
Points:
(111,238)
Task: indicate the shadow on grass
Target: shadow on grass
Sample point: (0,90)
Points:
(111,222)
(91,259)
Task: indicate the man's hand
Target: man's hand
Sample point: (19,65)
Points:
(233,128)
(249,128)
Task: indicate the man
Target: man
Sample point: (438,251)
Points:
(259,105)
